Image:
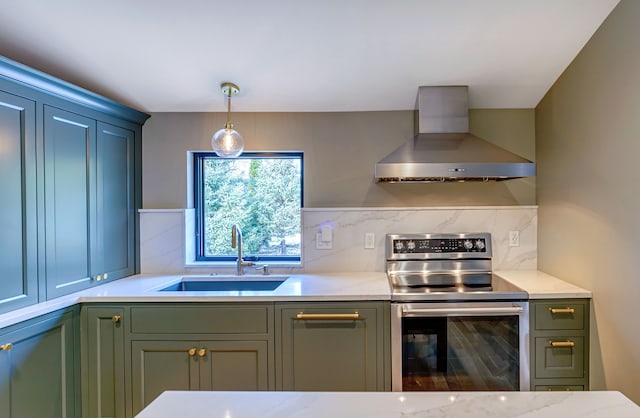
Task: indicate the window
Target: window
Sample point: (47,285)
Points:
(259,191)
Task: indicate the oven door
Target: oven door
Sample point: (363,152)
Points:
(467,346)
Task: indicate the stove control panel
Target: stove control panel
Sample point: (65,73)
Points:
(425,245)
(439,245)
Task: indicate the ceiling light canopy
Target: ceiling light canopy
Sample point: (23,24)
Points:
(227,142)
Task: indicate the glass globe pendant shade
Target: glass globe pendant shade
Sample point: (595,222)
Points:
(227,143)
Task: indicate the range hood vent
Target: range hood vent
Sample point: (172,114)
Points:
(443,150)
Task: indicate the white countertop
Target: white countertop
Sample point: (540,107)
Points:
(144,288)
(540,285)
(299,287)
(317,287)
(390,404)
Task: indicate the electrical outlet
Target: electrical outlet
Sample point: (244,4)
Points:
(369,240)
(514,238)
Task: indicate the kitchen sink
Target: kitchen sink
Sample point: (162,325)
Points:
(226,284)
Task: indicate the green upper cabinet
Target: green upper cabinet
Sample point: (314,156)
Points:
(70,200)
(18,264)
(70,181)
(113,255)
(89,201)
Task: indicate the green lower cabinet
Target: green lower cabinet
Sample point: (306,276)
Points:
(565,360)
(102,345)
(559,342)
(196,365)
(157,366)
(559,388)
(131,353)
(234,365)
(198,346)
(331,346)
(37,367)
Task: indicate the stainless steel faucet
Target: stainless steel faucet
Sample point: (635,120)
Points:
(236,241)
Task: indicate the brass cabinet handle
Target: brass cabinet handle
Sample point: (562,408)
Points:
(104,276)
(558,344)
(6,347)
(561,310)
(96,278)
(339,316)
(202,352)
(116,318)
(192,352)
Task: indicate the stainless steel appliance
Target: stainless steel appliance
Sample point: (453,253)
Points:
(455,325)
(444,150)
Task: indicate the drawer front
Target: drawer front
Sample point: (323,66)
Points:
(559,388)
(559,357)
(559,315)
(171,319)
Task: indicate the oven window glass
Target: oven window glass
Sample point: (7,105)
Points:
(476,353)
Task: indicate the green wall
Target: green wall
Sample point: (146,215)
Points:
(587,148)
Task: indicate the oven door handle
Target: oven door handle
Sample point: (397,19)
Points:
(498,310)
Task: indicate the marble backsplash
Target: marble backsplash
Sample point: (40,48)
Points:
(163,236)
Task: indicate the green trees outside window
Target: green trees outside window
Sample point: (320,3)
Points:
(261,192)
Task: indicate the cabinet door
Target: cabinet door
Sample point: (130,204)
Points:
(162,365)
(18,247)
(5,376)
(234,365)
(69,158)
(331,354)
(37,372)
(564,361)
(103,362)
(113,255)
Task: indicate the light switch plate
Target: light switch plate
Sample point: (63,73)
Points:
(369,240)
(326,233)
(322,245)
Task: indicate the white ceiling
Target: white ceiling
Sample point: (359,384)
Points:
(301,55)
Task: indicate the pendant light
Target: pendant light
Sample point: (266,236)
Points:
(227,142)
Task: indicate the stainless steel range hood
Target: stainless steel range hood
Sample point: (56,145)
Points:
(444,150)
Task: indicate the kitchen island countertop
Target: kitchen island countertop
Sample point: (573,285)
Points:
(390,404)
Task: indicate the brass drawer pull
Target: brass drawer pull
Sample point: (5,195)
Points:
(192,352)
(562,310)
(558,344)
(116,318)
(6,347)
(202,352)
(339,316)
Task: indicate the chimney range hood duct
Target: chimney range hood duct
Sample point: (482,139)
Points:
(443,150)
